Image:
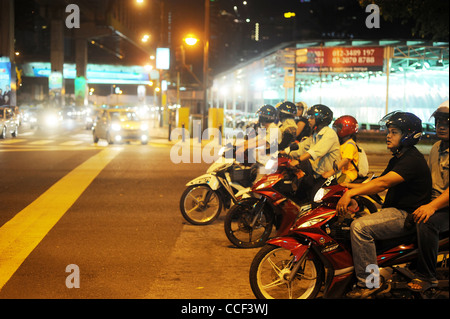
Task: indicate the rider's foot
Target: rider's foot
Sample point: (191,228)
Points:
(419,285)
(360,293)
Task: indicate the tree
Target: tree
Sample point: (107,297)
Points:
(430,16)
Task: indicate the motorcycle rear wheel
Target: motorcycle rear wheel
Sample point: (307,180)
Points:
(239,230)
(270,271)
(195,210)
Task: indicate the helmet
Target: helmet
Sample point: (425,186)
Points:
(345,125)
(408,123)
(322,114)
(441,112)
(267,114)
(303,106)
(286,109)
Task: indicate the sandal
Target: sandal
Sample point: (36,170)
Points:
(423,284)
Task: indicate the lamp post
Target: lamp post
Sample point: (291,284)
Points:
(205,60)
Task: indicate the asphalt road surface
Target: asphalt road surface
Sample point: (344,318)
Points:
(80,220)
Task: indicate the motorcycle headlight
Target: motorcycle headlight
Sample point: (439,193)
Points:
(271,164)
(320,194)
(221,151)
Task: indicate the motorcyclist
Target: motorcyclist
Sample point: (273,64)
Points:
(303,129)
(267,117)
(318,152)
(432,218)
(346,128)
(286,115)
(408,181)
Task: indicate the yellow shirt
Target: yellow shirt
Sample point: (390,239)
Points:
(350,151)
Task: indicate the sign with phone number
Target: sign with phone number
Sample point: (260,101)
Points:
(359,59)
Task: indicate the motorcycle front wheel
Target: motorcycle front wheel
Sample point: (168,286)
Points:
(246,227)
(271,270)
(200,205)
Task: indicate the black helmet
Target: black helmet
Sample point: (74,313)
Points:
(286,110)
(408,123)
(267,114)
(322,114)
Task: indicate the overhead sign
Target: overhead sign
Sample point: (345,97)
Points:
(340,59)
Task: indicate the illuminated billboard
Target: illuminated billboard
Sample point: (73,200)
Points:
(96,73)
(162,58)
(340,59)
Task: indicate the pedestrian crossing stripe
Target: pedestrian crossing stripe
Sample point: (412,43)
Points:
(72,143)
(12,141)
(41,142)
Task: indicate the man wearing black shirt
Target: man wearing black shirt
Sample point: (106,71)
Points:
(408,181)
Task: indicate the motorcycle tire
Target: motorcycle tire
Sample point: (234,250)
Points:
(270,271)
(194,210)
(238,229)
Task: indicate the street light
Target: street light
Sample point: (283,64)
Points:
(190,40)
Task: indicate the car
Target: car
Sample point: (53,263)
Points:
(120,125)
(428,131)
(46,119)
(8,123)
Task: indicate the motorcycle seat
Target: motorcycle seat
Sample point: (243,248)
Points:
(386,244)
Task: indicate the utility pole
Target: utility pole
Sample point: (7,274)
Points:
(205,62)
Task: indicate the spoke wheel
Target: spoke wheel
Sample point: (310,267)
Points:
(200,205)
(271,271)
(245,227)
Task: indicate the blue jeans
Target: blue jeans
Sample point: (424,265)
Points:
(386,224)
(428,240)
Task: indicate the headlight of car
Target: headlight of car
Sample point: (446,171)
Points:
(144,127)
(116,127)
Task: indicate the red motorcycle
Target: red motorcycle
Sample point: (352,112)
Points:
(275,204)
(315,258)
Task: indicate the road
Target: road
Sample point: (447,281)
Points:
(110,211)
(123,230)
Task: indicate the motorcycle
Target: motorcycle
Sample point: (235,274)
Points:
(225,182)
(250,222)
(315,257)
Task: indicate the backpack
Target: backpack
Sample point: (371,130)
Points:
(363,163)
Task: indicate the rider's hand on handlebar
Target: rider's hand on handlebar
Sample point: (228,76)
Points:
(342,204)
(294,163)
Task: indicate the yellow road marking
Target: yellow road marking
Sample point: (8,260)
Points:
(20,235)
